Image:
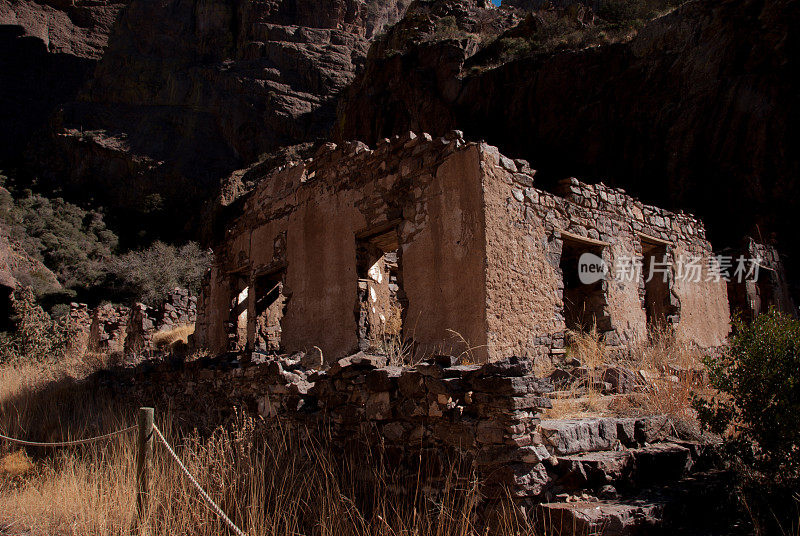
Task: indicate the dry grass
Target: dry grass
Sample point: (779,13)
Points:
(671,373)
(15,464)
(583,399)
(271,481)
(591,404)
(588,347)
(674,372)
(167,338)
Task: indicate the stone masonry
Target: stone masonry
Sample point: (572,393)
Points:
(129,331)
(424,246)
(422,419)
(770,289)
(487,414)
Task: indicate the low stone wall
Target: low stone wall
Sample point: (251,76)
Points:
(487,415)
(420,419)
(128,331)
(179,309)
(108,328)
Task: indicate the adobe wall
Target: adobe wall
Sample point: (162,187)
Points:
(526,229)
(522,281)
(481,251)
(429,190)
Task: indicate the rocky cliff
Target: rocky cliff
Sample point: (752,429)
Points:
(48,50)
(188,91)
(697,110)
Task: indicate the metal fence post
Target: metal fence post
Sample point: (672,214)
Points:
(144,450)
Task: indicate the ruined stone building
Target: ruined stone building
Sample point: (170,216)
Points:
(753,296)
(442,245)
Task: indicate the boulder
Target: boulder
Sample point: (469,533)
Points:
(571,436)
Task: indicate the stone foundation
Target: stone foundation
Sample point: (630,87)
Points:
(486,416)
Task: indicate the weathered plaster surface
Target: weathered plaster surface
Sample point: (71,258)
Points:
(480,252)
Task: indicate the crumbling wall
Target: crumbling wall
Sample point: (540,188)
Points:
(81,318)
(129,331)
(426,192)
(179,308)
(528,228)
(481,252)
(487,414)
(444,262)
(766,287)
(108,329)
(523,284)
(419,419)
(140,330)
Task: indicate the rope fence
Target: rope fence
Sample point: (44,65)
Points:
(146,429)
(68,443)
(194,482)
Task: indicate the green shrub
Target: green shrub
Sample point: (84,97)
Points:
(73,243)
(758,408)
(147,275)
(36,335)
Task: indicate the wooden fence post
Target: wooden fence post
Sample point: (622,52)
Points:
(144,449)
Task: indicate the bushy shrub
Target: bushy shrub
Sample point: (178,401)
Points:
(147,275)
(36,335)
(758,408)
(73,243)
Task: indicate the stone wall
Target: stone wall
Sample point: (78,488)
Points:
(128,331)
(486,263)
(419,420)
(767,288)
(528,232)
(108,329)
(485,414)
(424,192)
(178,309)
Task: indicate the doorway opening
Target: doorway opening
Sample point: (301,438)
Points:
(657,277)
(237,326)
(271,303)
(381,303)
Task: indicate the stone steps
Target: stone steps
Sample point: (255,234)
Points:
(620,476)
(601,518)
(694,505)
(623,469)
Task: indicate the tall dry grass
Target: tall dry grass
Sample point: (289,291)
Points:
(271,480)
(165,339)
(671,372)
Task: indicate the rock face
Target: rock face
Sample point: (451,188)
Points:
(189,91)
(697,111)
(48,50)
